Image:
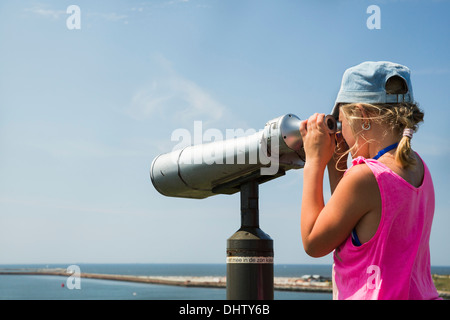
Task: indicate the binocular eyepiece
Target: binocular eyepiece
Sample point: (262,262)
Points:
(332,124)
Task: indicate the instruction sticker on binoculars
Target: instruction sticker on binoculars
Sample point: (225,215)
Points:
(249,259)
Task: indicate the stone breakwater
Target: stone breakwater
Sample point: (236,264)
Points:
(304,284)
(280,283)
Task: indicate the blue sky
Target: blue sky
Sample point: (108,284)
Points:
(84,112)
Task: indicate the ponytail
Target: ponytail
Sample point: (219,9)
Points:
(404,155)
(408,117)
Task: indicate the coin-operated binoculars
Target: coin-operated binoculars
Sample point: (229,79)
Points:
(238,165)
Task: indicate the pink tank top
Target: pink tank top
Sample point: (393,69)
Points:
(395,263)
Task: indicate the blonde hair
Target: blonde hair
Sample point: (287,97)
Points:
(394,117)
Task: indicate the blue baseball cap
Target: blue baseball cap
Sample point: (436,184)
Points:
(366,83)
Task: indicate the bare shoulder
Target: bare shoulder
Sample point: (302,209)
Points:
(414,174)
(359,188)
(359,175)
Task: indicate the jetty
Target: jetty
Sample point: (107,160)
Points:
(305,283)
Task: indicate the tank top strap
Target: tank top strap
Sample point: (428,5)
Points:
(375,165)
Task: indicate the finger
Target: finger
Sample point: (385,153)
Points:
(312,121)
(303,127)
(321,121)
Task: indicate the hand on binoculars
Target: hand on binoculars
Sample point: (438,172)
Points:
(318,143)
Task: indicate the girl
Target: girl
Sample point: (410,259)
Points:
(378,219)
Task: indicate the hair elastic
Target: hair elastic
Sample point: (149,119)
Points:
(408,132)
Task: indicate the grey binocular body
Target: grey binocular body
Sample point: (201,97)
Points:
(221,167)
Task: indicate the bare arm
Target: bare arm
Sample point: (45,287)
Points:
(324,227)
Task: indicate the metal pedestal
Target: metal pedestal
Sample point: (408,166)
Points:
(249,253)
